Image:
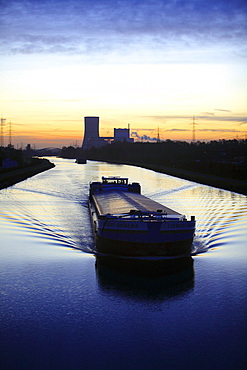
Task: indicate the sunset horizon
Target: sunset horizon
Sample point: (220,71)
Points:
(152,65)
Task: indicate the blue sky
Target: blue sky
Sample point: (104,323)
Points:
(197,49)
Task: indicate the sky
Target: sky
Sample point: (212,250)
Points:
(150,64)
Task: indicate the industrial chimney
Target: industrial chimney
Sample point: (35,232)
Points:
(91,132)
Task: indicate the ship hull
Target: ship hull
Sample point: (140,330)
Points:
(133,238)
(137,249)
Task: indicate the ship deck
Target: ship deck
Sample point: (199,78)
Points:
(115,202)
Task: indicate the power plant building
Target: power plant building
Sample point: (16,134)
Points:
(122,134)
(92,138)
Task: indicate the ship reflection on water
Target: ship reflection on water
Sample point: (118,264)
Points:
(145,278)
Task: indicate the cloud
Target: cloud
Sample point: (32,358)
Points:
(238,119)
(218,130)
(178,129)
(207,116)
(223,110)
(150,29)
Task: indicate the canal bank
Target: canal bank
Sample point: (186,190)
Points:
(14,176)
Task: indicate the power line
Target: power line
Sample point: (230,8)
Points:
(158,135)
(2,135)
(194,129)
(10,134)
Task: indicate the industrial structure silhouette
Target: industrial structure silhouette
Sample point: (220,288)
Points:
(92,138)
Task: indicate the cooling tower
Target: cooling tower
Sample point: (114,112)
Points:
(91,132)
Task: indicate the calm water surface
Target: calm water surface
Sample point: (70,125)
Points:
(64,308)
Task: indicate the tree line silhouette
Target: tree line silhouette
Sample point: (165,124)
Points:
(220,163)
(224,158)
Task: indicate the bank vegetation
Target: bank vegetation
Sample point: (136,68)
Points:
(16,166)
(222,163)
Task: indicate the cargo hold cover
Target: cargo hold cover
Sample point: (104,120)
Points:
(122,202)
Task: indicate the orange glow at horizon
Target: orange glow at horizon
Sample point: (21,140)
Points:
(47,135)
(49,108)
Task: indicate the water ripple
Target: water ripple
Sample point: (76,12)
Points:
(54,206)
(222,220)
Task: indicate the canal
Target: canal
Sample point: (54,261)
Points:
(62,307)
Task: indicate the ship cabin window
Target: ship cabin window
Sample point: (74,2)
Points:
(115,180)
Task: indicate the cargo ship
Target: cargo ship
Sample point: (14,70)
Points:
(81,160)
(127,223)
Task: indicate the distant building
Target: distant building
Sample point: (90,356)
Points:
(122,134)
(92,138)
(9,163)
(91,133)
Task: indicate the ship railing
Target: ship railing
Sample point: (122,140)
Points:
(145,216)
